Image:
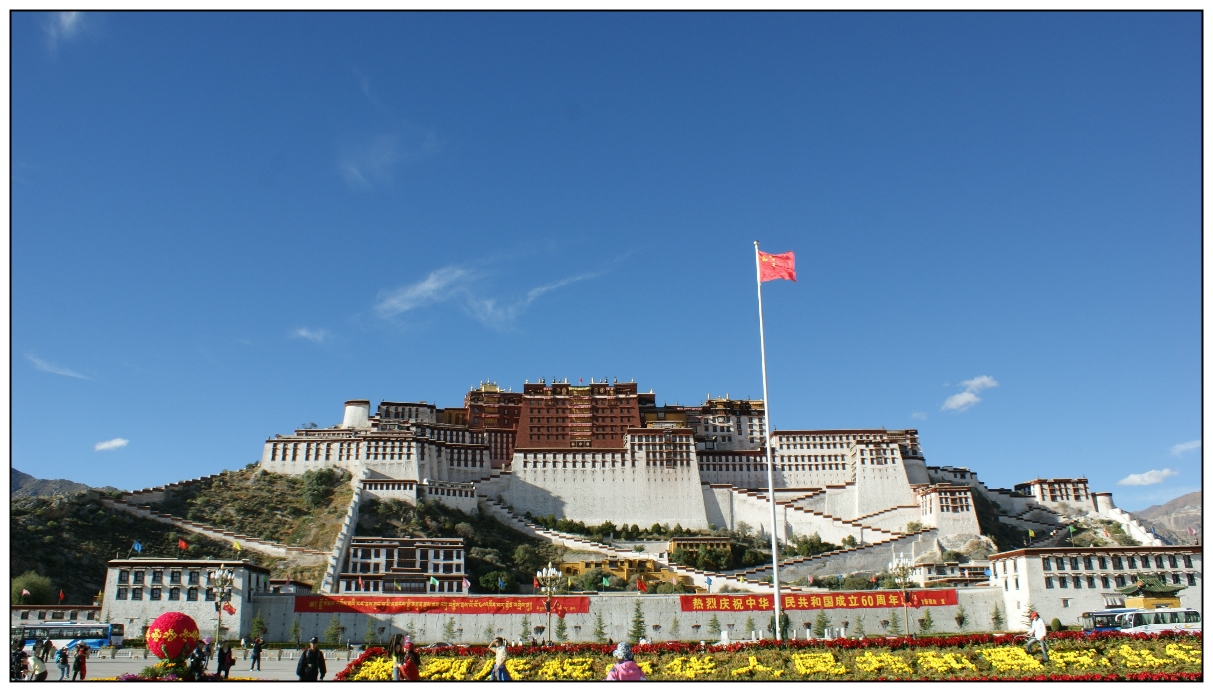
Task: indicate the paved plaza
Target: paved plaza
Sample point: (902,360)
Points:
(271,667)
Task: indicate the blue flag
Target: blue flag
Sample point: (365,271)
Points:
(709,580)
(500,583)
(987,572)
(138,547)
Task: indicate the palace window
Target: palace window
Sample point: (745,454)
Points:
(1048,582)
(155,595)
(174,593)
(121,596)
(123,576)
(191,594)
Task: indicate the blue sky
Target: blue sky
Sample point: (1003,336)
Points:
(225,225)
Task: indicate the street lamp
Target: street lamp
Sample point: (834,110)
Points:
(548,577)
(900,569)
(221,581)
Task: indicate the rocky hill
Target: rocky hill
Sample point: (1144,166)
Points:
(1172,520)
(25,485)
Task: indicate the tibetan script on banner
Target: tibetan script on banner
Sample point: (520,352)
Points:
(469,605)
(821,601)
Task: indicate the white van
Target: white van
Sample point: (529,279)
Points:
(1162,620)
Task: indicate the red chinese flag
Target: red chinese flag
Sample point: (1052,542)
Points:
(229,609)
(642,586)
(61,594)
(535,581)
(771,267)
(182,544)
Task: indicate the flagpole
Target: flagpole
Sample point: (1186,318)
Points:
(766,409)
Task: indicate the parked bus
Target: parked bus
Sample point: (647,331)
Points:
(69,634)
(1107,620)
(1162,620)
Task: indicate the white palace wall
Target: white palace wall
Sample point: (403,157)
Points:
(607,487)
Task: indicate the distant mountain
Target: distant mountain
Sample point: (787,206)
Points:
(25,485)
(1172,520)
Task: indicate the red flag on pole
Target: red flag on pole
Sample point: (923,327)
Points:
(535,581)
(182,544)
(61,596)
(229,608)
(360,584)
(642,586)
(771,267)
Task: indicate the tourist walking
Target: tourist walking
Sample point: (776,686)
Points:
(37,669)
(226,660)
(63,660)
(48,648)
(257,644)
(311,663)
(1036,635)
(79,664)
(626,668)
(500,650)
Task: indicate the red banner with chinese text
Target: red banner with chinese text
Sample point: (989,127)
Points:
(820,601)
(467,605)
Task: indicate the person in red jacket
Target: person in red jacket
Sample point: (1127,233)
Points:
(411,668)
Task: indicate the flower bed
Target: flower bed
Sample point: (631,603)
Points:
(1072,656)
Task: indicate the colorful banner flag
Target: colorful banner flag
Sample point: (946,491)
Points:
(467,605)
(771,267)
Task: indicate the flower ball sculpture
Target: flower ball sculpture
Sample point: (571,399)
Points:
(172,636)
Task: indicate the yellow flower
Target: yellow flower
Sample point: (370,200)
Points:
(689,666)
(1184,653)
(374,669)
(517,668)
(484,670)
(870,663)
(756,667)
(567,669)
(1011,658)
(646,667)
(1080,660)
(1140,658)
(446,669)
(943,663)
(814,663)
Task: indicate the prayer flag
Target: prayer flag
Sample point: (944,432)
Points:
(1071,528)
(137,547)
(771,267)
(1031,533)
(236,545)
(606,581)
(709,580)
(500,583)
(434,581)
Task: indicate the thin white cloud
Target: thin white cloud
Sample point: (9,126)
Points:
(966,399)
(316,335)
(1182,447)
(116,443)
(919,415)
(364,167)
(1152,477)
(53,369)
(63,26)
(457,284)
(441,285)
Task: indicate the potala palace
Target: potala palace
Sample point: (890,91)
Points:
(604,451)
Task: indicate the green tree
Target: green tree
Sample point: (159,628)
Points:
(820,623)
(526,628)
(489,582)
(368,636)
(894,623)
(39,588)
(675,629)
(637,630)
(295,631)
(996,619)
(562,633)
(849,542)
(714,626)
(1055,625)
(749,626)
(448,630)
(859,632)
(926,624)
(317,485)
(258,626)
(332,633)
(599,628)
(1027,614)
(962,618)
